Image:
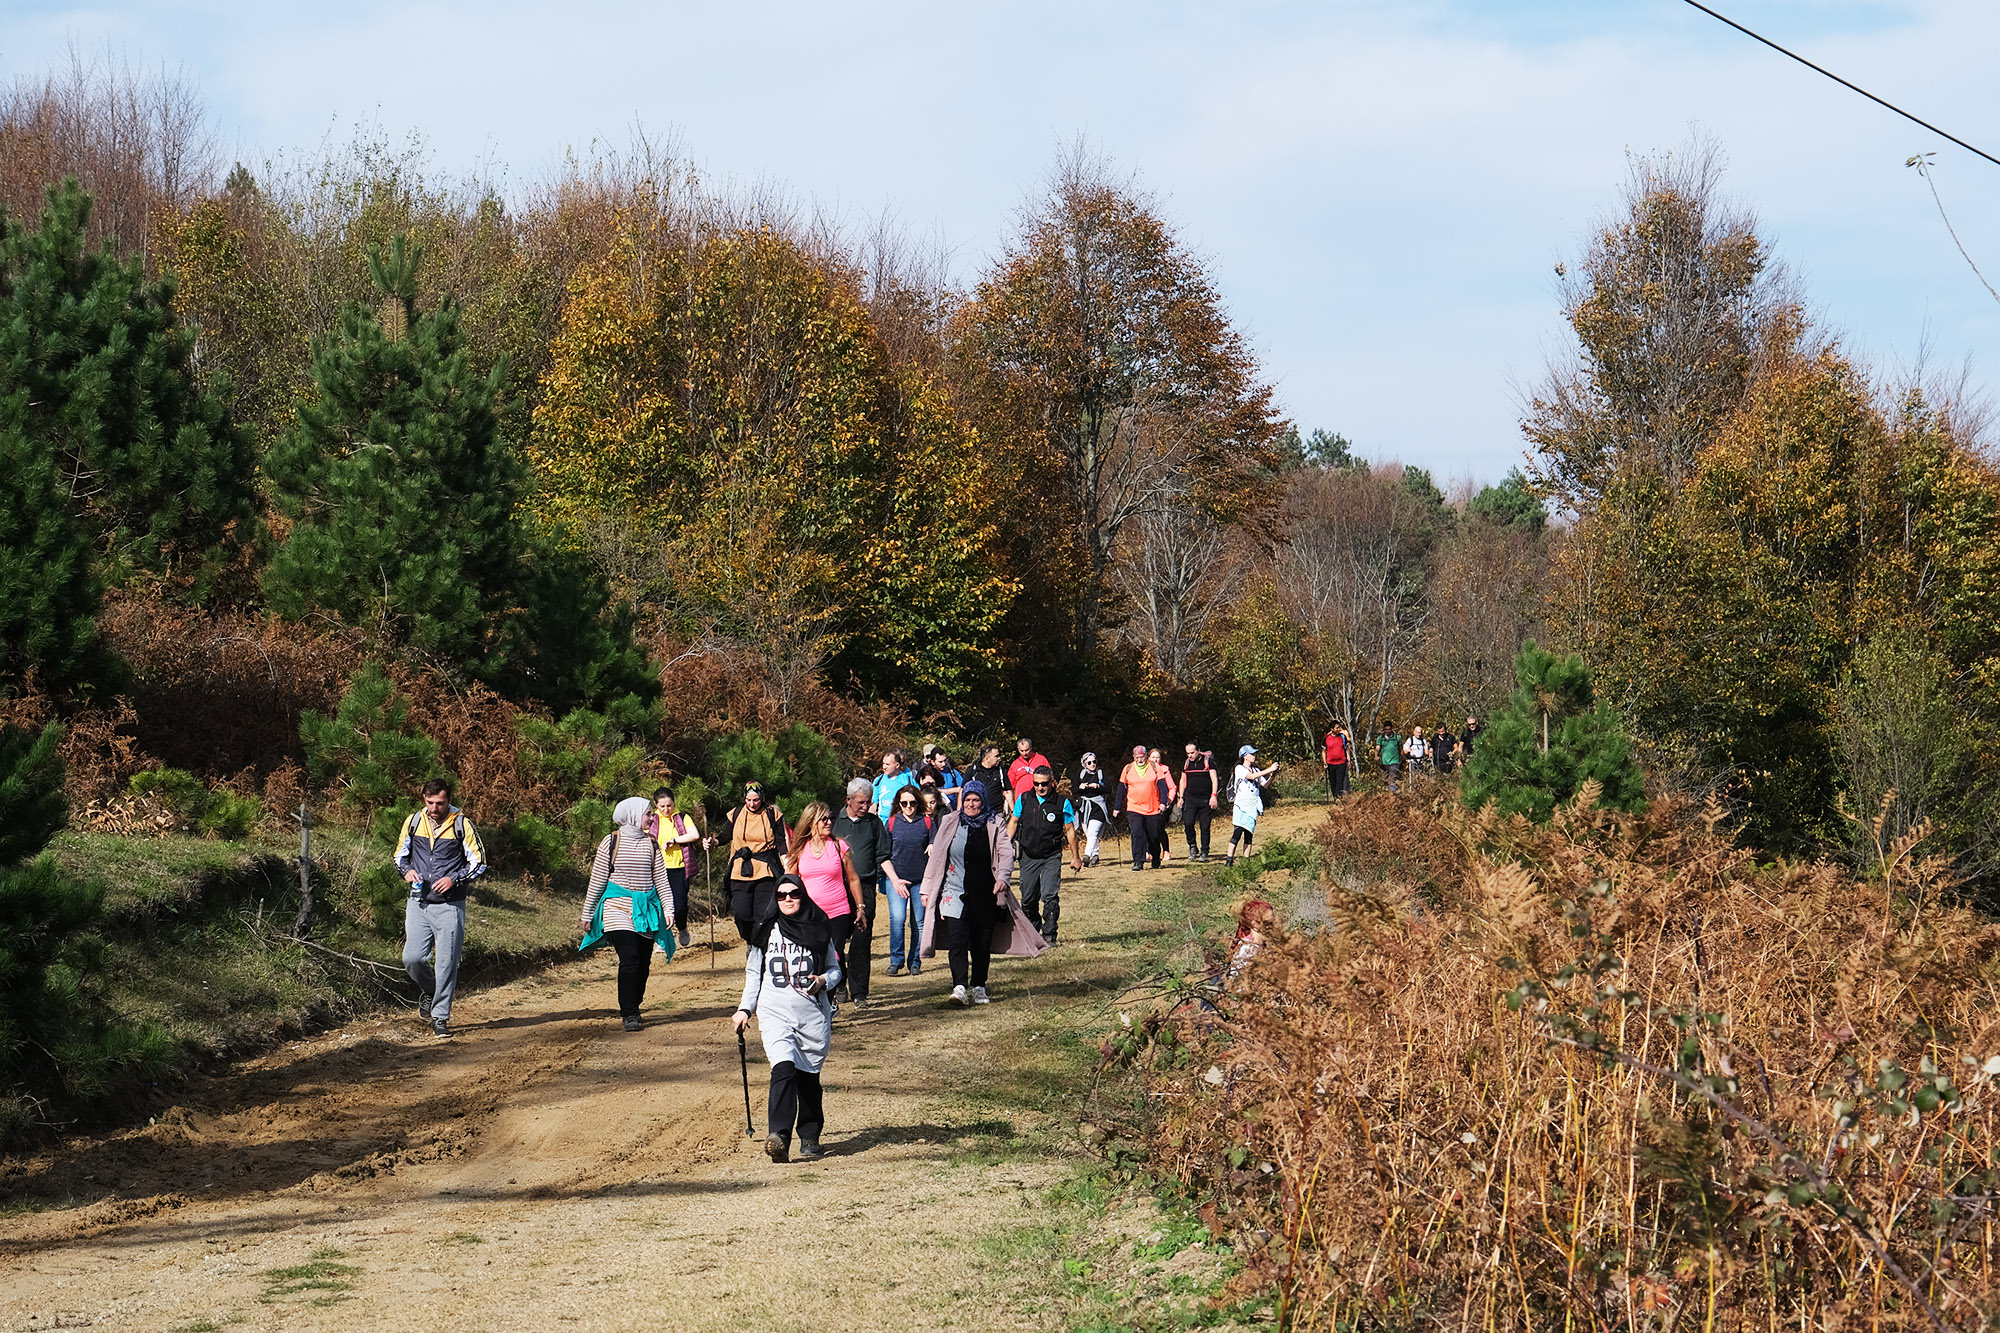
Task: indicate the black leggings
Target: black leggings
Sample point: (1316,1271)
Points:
(1147,834)
(796,1100)
(1194,818)
(1336,780)
(843,930)
(677,885)
(635,961)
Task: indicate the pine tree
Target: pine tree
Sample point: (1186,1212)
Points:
(97,373)
(399,491)
(1551,739)
(58,1045)
(365,745)
(49,590)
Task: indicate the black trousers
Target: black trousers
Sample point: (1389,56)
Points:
(1148,837)
(751,900)
(795,1102)
(677,885)
(1194,819)
(635,961)
(855,961)
(1336,780)
(970,938)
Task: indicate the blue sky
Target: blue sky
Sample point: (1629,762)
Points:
(1381,189)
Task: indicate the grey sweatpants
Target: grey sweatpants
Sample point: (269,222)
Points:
(439,927)
(1041,892)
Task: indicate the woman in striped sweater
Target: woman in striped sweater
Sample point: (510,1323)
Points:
(623,905)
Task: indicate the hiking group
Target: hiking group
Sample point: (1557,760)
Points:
(944,849)
(1402,757)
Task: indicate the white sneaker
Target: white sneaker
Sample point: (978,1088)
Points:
(979,995)
(958,996)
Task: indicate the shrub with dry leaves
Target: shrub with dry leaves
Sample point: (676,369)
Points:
(1607,1073)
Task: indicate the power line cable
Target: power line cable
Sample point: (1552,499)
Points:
(1820,69)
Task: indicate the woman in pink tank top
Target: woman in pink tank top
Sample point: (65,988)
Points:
(822,864)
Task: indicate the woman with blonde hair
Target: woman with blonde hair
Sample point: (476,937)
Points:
(825,866)
(623,905)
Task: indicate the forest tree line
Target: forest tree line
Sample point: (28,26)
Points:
(720,463)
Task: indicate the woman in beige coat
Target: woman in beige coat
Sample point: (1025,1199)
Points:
(965,889)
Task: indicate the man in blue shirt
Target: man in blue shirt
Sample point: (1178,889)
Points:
(896,775)
(949,780)
(1043,823)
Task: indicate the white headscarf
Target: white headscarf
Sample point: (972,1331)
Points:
(631,814)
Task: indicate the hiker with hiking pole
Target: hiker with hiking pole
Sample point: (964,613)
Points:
(787,980)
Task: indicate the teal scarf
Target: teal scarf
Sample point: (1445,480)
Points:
(647,918)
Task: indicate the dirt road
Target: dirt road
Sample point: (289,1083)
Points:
(546,1169)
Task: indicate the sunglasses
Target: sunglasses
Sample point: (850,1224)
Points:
(1042,784)
(907,805)
(788,893)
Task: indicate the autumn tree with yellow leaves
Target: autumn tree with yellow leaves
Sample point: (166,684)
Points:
(720,415)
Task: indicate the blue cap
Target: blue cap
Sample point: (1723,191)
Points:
(1246,752)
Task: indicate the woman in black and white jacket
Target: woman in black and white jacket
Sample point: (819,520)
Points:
(787,981)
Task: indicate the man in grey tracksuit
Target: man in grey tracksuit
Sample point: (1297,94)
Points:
(439,853)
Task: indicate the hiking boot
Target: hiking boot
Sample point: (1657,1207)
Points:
(895,969)
(979,995)
(424,1003)
(684,937)
(809,1149)
(440,1028)
(1049,940)
(958,996)
(1230,860)
(634,1023)
(916,969)
(1090,862)
(777,1149)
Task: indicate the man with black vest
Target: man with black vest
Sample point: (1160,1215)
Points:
(1042,825)
(439,853)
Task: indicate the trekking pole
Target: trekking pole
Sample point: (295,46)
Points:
(708,884)
(743,1059)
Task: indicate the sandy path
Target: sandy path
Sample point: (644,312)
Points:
(546,1169)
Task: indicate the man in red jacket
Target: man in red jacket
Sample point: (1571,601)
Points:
(1336,762)
(1021,773)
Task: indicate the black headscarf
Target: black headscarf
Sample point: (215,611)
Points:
(810,928)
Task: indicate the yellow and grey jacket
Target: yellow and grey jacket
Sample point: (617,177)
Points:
(435,851)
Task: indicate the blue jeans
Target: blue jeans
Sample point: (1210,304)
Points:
(901,909)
